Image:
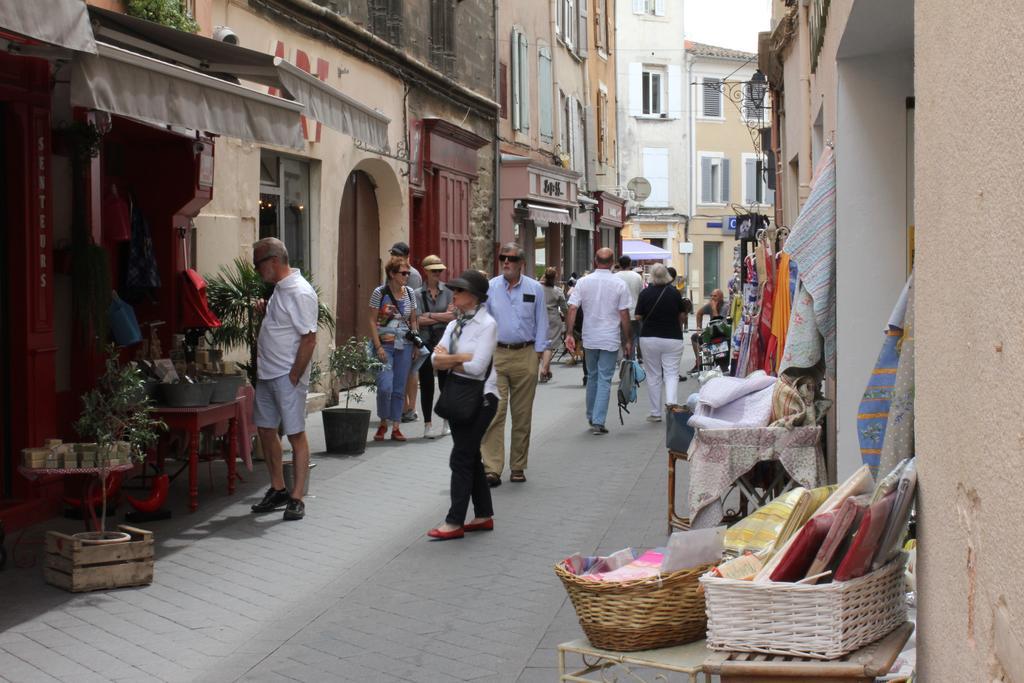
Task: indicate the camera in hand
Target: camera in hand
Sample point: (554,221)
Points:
(415,338)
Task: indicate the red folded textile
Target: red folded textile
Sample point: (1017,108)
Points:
(857,560)
(847,518)
(802,551)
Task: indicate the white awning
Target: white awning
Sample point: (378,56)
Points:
(644,251)
(64,23)
(233,63)
(544,215)
(129,84)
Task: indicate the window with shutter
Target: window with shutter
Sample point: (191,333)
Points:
(599,41)
(602,127)
(569,22)
(579,160)
(639,6)
(714,178)
(749,180)
(706,194)
(659,8)
(503,89)
(442,35)
(724,199)
(675,91)
(711,96)
(524,81)
(653,88)
(516,81)
(582,44)
(545,93)
(636,92)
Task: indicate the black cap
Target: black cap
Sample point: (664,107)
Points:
(473,282)
(399,249)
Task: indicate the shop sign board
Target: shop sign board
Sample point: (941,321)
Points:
(552,188)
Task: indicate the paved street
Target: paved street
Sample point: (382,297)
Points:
(355,591)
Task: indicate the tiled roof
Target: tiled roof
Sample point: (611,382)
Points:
(715,52)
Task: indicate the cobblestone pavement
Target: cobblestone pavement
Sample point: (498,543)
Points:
(355,591)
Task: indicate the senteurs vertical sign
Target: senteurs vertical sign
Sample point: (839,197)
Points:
(41,247)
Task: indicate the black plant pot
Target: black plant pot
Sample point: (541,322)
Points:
(345,429)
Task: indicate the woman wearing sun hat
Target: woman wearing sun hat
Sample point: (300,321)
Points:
(467,350)
(436,310)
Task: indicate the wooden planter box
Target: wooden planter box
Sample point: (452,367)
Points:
(77,567)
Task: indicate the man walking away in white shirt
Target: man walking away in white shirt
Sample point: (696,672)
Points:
(635,282)
(605,298)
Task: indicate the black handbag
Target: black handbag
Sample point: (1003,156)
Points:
(461,398)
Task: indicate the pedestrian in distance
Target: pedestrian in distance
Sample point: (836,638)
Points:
(467,350)
(661,313)
(436,309)
(401,250)
(715,308)
(554,302)
(516,302)
(285,346)
(392,318)
(605,298)
(635,282)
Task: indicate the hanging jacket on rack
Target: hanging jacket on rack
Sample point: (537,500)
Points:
(141,271)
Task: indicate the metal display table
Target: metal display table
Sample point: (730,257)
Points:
(606,665)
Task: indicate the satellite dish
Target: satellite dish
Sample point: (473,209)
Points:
(640,187)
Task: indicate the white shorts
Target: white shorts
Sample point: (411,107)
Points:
(280,403)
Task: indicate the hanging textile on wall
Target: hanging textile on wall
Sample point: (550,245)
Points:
(875,406)
(812,244)
(780,316)
(899,430)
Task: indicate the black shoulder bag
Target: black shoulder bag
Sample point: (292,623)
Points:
(461,398)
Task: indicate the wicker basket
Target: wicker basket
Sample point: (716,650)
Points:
(639,615)
(820,621)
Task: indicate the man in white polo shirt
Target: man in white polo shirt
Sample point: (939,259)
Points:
(605,301)
(285,346)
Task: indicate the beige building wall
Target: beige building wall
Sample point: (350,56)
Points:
(731,138)
(229,224)
(601,82)
(968,423)
(535,18)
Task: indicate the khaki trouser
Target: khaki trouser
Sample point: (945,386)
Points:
(517,384)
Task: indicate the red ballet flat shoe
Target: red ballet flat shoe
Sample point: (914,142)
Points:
(446,535)
(486,525)
(381,431)
(397,435)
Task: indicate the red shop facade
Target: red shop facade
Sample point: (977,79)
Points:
(443,168)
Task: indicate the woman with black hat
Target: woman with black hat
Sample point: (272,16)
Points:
(466,350)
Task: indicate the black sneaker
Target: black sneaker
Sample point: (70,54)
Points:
(410,416)
(296,510)
(272,500)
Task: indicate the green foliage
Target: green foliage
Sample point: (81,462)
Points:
(352,366)
(167,12)
(233,294)
(118,410)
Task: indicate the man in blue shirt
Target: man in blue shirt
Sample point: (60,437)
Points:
(516,302)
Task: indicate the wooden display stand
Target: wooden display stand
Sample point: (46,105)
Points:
(861,666)
(607,665)
(76,566)
(675,520)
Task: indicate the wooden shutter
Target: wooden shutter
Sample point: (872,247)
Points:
(590,145)
(675,91)
(524,82)
(582,43)
(545,94)
(503,89)
(636,88)
(599,25)
(516,81)
(570,125)
(725,181)
(712,96)
(706,195)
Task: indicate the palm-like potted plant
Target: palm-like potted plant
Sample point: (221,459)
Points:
(233,293)
(350,367)
(115,417)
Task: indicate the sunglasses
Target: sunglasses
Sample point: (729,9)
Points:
(509,257)
(404,273)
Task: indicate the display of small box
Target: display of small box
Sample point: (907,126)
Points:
(36,457)
(77,567)
(66,456)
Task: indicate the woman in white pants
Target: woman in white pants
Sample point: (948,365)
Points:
(660,310)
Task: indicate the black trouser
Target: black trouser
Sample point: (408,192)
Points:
(466,462)
(427,387)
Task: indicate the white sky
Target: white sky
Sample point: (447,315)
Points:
(727,23)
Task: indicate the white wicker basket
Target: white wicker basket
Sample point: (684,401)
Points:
(820,621)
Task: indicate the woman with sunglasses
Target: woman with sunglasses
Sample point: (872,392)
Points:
(392,316)
(467,350)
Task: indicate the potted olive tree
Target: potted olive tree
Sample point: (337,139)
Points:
(351,367)
(115,418)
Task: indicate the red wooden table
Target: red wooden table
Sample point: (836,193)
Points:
(192,421)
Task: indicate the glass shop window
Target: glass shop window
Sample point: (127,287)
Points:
(285,206)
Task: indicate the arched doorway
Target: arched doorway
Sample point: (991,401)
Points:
(359,267)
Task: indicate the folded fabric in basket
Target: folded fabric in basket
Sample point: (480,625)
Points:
(648,564)
(750,410)
(857,561)
(724,390)
(801,552)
